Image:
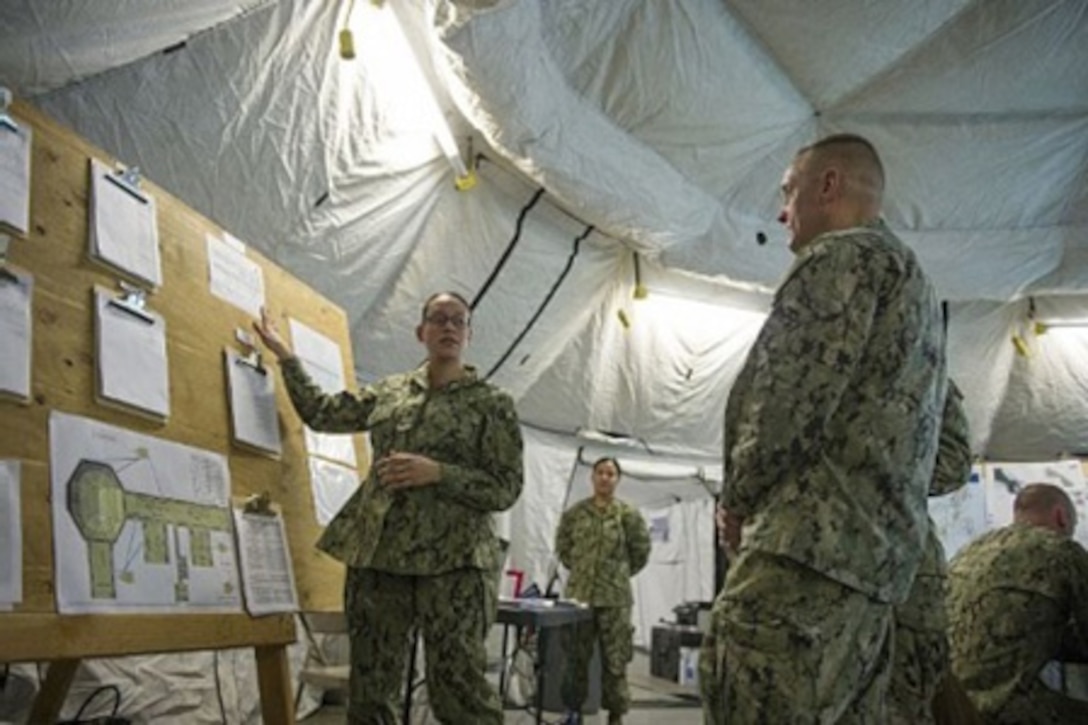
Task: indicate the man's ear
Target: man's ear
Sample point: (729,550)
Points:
(831,183)
(419,332)
(1061,520)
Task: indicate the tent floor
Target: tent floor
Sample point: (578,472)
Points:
(653,702)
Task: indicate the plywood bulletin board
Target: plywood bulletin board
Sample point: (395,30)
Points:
(199,326)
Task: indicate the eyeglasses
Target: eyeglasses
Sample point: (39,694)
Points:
(459,322)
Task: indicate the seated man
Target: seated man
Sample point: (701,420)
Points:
(1018,598)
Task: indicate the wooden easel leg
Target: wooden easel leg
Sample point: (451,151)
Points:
(50,699)
(274,681)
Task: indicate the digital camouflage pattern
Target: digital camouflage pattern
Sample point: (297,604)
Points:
(611,628)
(1017,597)
(831,427)
(469,426)
(830,442)
(422,557)
(952,468)
(454,610)
(602,547)
(920,662)
(789,645)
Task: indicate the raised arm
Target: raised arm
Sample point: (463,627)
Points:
(344,412)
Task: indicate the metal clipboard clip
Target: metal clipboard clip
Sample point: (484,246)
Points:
(259,504)
(253,357)
(5,120)
(128,180)
(6,275)
(132,301)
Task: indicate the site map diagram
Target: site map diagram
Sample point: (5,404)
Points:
(140,524)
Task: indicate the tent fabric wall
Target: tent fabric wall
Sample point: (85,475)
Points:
(663,126)
(680,569)
(600,131)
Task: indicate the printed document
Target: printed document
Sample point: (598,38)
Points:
(320,357)
(267,579)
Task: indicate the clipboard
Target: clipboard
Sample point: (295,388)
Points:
(264,559)
(131,366)
(254,418)
(123,230)
(15,149)
(16,329)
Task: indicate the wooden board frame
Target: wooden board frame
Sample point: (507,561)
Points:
(199,325)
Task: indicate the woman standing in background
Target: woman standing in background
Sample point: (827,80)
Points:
(603,542)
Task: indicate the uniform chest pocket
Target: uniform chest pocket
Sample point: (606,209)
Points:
(391,425)
(612,538)
(452,433)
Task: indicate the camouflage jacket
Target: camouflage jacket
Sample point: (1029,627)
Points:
(603,549)
(1017,596)
(953,466)
(470,427)
(831,426)
(924,608)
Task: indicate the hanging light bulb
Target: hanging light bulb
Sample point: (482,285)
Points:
(641,292)
(347,41)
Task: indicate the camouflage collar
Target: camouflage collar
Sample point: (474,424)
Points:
(876,224)
(420,382)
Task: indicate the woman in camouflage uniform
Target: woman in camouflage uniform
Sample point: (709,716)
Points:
(603,542)
(417,535)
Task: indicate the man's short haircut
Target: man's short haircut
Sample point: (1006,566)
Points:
(1041,498)
(857,151)
(455,295)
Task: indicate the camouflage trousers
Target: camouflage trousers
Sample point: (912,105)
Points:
(918,667)
(610,628)
(453,612)
(788,646)
(1037,704)
(920,660)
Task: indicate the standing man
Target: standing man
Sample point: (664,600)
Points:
(1017,599)
(830,441)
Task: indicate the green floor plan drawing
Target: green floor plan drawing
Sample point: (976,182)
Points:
(100,506)
(140,524)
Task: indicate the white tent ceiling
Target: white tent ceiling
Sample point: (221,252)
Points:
(654,127)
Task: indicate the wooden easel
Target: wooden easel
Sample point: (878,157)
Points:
(63,379)
(63,641)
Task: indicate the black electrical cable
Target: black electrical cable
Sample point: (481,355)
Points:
(219,687)
(509,249)
(90,698)
(547,298)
